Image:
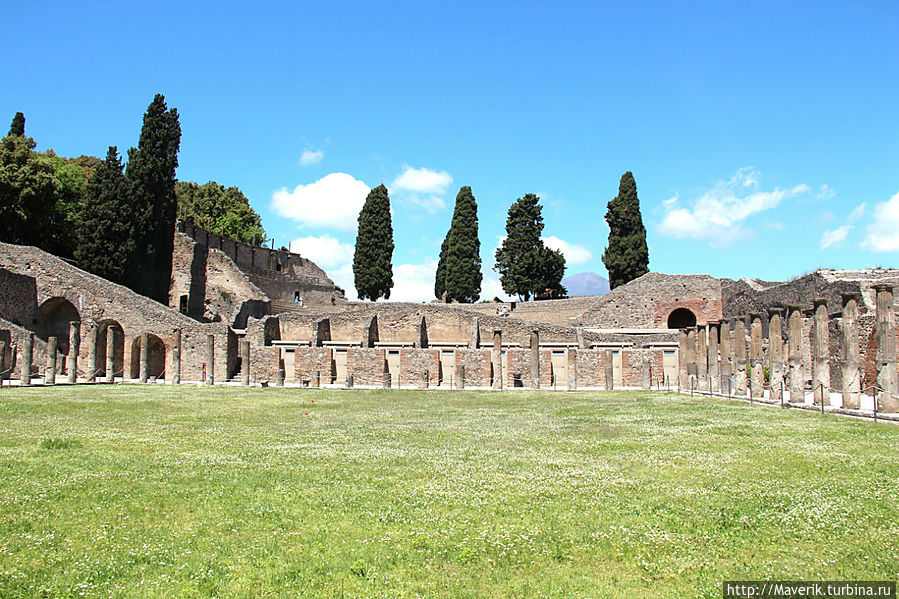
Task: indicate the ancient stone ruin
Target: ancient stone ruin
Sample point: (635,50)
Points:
(243,315)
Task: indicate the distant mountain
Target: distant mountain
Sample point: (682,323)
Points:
(586,283)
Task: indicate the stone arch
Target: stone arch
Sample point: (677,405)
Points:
(681,318)
(156,351)
(119,347)
(53,320)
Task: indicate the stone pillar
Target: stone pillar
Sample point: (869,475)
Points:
(646,368)
(74,348)
(210,359)
(682,369)
(794,350)
(317,378)
(756,365)
(245,362)
(776,352)
(50,373)
(349,381)
(572,368)
(610,370)
(714,373)
(885,359)
(727,359)
(475,339)
(386,381)
(849,352)
(691,359)
(92,331)
(25,354)
(496,357)
(581,341)
(702,358)
(821,353)
(176,357)
(460,375)
(741,358)
(110,353)
(279,375)
(535,359)
(425,379)
(144,357)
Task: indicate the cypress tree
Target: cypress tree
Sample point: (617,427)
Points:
(459,269)
(526,266)
(106,241)
(627,255)
(372,261)
(151,177)
(17,128)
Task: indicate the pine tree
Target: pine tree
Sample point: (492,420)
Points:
(627,256)
(17,128)
(372,261)
(151,177)
(459,268)
(106,242)
(526,266)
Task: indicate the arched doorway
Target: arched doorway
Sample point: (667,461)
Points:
(53,320)
(681,318)
(118,359)
(155,357)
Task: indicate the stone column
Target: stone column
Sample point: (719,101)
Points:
(50,373)
(885,359)
(610,370)
(496,356)
(776,352)
(460,375)
(821,353)
(425,379)
(740,358)
(74,348)
(682,369)
(702,358)
(535,359)
(756,365)
(646,368)
(317,378)
(176,357)
(349,381)
(794,349)
(727,359)
(572,368)
(714,378)
(279,376)
(386,381)
(92,332)
(245,362)
(25,354)
(849,352)
(110,353)
(691,359)
(2,362)
(144,357)
(210,359)
(475,339)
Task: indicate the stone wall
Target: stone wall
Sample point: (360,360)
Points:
(18,294)
(366,365)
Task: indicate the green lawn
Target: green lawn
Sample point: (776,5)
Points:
(132,491)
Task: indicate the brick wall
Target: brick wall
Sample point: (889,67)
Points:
(413,362)
(478,369)
(366,365)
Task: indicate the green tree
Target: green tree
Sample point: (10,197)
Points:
(106,241)
(225,211)
(17,128)
(627,255)
(28,193)
(459,267)
(372,261)
(151,177)
(64,219)
(526,266)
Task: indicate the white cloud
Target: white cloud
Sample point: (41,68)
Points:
(411,282)
(421,180)
(333,201)
(309,157)
(430,203)
(837,235)
(882,234)
(574,254)
(826,192)
(857,213)
(326,251)
(718,214)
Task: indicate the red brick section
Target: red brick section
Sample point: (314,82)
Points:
(366,365)
(413,362)
(704,309)
(632,361)
(308,360)
(546,368)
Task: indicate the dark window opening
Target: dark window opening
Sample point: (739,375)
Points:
(681,318)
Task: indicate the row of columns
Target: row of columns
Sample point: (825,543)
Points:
(713,359)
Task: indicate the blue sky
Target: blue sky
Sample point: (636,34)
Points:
(763,136)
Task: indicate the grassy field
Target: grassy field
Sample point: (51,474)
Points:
(131,491)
